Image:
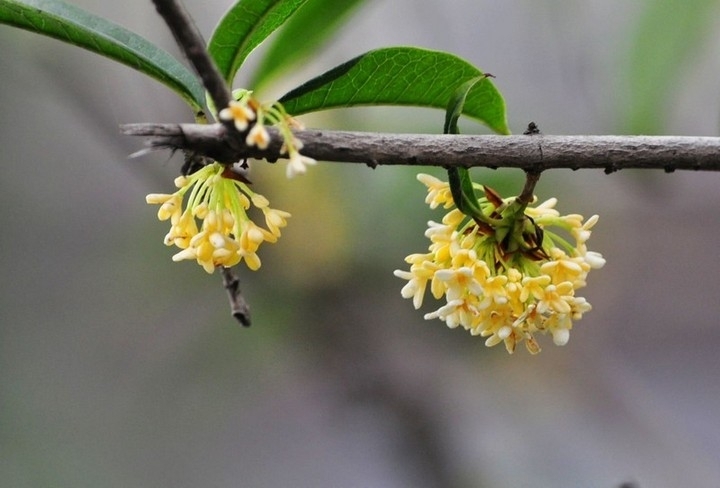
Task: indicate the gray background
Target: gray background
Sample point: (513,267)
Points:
(120,368)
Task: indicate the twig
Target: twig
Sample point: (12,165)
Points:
(536,153)
(191,42)
(238,306)
(532,176)
(531,179)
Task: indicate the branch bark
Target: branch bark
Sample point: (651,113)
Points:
(190,40)
(238,306)
(534,152)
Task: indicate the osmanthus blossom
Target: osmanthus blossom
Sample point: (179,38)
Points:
(217,199)
(507,276)
(246,112)
(208,213)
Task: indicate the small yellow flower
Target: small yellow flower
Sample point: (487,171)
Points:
(297,165)
(246,112)
(258,136)
(239,112)
(438,191)
(275,220)
(219,201)
(506,282)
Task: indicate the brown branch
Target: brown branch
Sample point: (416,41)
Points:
(190,40)
(531,179)
(528,152)
(238,306)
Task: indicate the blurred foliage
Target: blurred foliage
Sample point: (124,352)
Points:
(315,23)
(665,42)
(73,25)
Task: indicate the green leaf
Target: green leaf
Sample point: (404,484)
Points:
(73,25)
(400,76)
(456,105)
(243,28)
(461,188)
(666,39)
(461,185)
(314,23)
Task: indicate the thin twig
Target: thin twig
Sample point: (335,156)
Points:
(532,176)
(531,179)
(238,306)
(190,40)
(535,153)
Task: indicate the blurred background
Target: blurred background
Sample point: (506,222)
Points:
(121,368)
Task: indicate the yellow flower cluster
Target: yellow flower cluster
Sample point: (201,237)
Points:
(219,200)
(507,281)
(246,112)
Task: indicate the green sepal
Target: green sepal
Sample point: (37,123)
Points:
(511,223)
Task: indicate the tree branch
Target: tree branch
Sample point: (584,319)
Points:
(238,306)
(190,40)
(534,153)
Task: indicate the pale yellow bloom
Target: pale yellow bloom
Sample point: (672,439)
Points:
(248,114)
(258,136)
(239,113)
(507,290)
(297,164)
(218,201)
(275,220)
(439,194)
